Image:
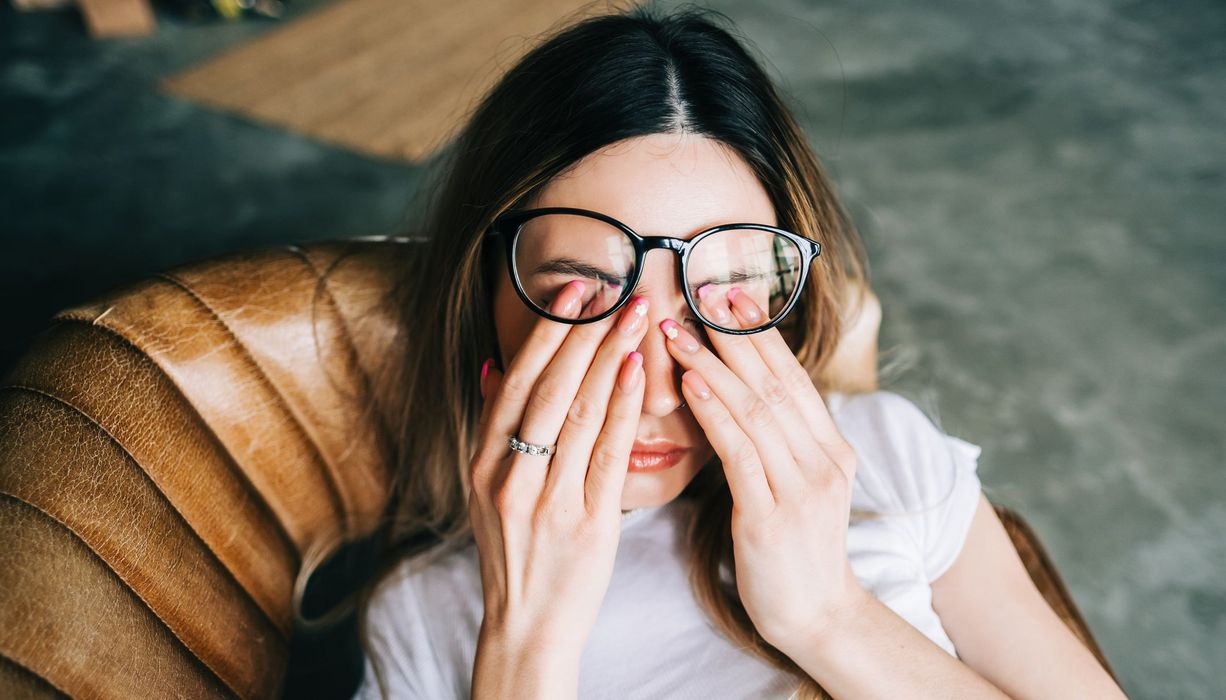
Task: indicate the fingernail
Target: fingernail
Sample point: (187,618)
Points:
(744,304)
(485,369)
(678,335)
(696,384)
(632,317)
(629,377)
(717,309)
(569,298)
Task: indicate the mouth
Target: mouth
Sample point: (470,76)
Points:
(656,456)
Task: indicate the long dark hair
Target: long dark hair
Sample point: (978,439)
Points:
(595,81)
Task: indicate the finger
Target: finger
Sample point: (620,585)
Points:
(480,494)
(559,382)
(742,465)
(586,416)
(747,408)
(742,357)
(551,399)
(516,383)
(783,364)
(490,380)
(606,477)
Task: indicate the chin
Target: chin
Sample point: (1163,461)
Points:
(650,489)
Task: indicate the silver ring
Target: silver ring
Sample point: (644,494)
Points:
(530,449)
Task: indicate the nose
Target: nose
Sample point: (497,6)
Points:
(662,373)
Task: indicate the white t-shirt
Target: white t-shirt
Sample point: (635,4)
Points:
(651,639)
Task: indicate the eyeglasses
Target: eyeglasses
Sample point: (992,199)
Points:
(548,247)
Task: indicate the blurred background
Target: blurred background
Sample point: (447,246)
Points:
(1040,186)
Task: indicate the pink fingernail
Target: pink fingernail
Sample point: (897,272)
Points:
(678,335)
(746,305)
(630,372)
(696,384)
(571,305)
(485,368)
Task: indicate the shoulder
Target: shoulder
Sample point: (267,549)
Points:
(896,435)
(438,574)
(908,466)
(873,407)
(418,623)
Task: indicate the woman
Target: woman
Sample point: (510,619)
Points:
(658,484)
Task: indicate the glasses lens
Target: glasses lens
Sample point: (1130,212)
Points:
(762,264)
(553,249)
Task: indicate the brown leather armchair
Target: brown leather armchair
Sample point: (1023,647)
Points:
(176,456)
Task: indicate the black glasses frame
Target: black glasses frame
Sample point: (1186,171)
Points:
(508,226)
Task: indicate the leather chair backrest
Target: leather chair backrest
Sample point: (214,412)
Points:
(175,457)
(178,456)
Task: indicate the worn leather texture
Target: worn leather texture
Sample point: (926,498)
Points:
(176,455)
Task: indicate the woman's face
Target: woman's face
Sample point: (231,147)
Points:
(659,185)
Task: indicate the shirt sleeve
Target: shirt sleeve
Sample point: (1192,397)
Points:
(399,645)
(934,479)
(948,525)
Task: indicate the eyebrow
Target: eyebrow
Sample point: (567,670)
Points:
(736,276)
(570,266)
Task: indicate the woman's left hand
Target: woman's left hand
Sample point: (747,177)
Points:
(788,467)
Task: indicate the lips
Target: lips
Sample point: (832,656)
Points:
(656,446)
(656,455)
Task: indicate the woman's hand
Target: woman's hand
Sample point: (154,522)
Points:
(788,467)
(547,526)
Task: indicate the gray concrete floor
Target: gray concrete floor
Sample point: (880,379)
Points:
(1039,185)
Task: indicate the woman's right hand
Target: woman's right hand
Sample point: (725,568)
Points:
(547,526)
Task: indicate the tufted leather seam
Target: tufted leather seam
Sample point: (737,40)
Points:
(32,672)
(286,540)
(221,565)
(333,490)
(299,253)
(346,331)
(129,586)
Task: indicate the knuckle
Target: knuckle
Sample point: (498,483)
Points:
(831,479)
(797,375)
(553,516)
(477,474)
(757,411)
(605,452)
(842,453)
(592,332)
(745,455)
(490,449)
(585,412)
(847,456)
(506,502)
(516,385)
(549,392)
(829,476)
(774,392)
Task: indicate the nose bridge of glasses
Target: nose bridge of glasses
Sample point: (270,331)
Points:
(666,242)
(651,243)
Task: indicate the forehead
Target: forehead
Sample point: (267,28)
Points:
(663,184)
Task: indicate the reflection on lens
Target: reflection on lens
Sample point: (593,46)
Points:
(762,264)
(554,249)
